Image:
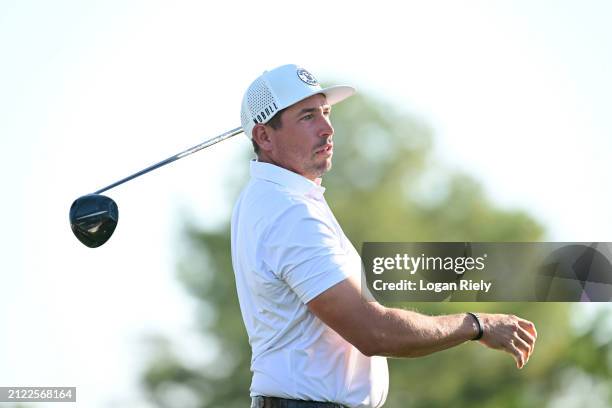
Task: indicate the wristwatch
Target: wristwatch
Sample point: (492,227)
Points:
(479,324)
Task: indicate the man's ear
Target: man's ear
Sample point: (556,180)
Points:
(262,135)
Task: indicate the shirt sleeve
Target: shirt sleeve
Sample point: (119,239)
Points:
(305,250)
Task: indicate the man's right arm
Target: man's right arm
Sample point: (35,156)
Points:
(378,330)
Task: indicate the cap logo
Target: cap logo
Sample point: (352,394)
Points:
(266,113)
(307,77)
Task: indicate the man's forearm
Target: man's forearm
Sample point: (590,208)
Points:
(402,333)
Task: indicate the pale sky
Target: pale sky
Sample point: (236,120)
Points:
(517,94)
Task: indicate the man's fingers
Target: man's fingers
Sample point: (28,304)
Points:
(528,338)
(529,326)
(523,346)
(518,355)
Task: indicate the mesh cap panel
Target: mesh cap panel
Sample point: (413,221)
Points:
(258,106)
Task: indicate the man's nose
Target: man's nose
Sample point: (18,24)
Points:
(326,129)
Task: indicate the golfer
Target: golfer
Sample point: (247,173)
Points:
(316,341)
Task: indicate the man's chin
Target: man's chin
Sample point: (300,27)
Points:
(325,167)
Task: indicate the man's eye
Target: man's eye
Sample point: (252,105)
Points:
(307,117)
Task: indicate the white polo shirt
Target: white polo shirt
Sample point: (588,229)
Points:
(287,248)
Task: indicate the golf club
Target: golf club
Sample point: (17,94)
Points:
(93,217)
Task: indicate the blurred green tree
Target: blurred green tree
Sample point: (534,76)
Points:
(385,186)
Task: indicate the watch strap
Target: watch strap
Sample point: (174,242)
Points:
(479,324)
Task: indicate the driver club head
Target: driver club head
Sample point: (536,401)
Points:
(93,219)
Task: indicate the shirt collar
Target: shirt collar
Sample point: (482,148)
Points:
(286,178)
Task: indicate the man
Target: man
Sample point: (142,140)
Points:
(316,341)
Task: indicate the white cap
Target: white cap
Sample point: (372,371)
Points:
(280,88)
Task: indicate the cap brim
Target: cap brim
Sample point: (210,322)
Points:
(338,93)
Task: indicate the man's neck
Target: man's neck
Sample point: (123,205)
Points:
(266,159)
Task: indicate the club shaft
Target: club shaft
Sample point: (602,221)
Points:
(180,155)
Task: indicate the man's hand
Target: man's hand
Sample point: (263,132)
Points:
(511,334)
